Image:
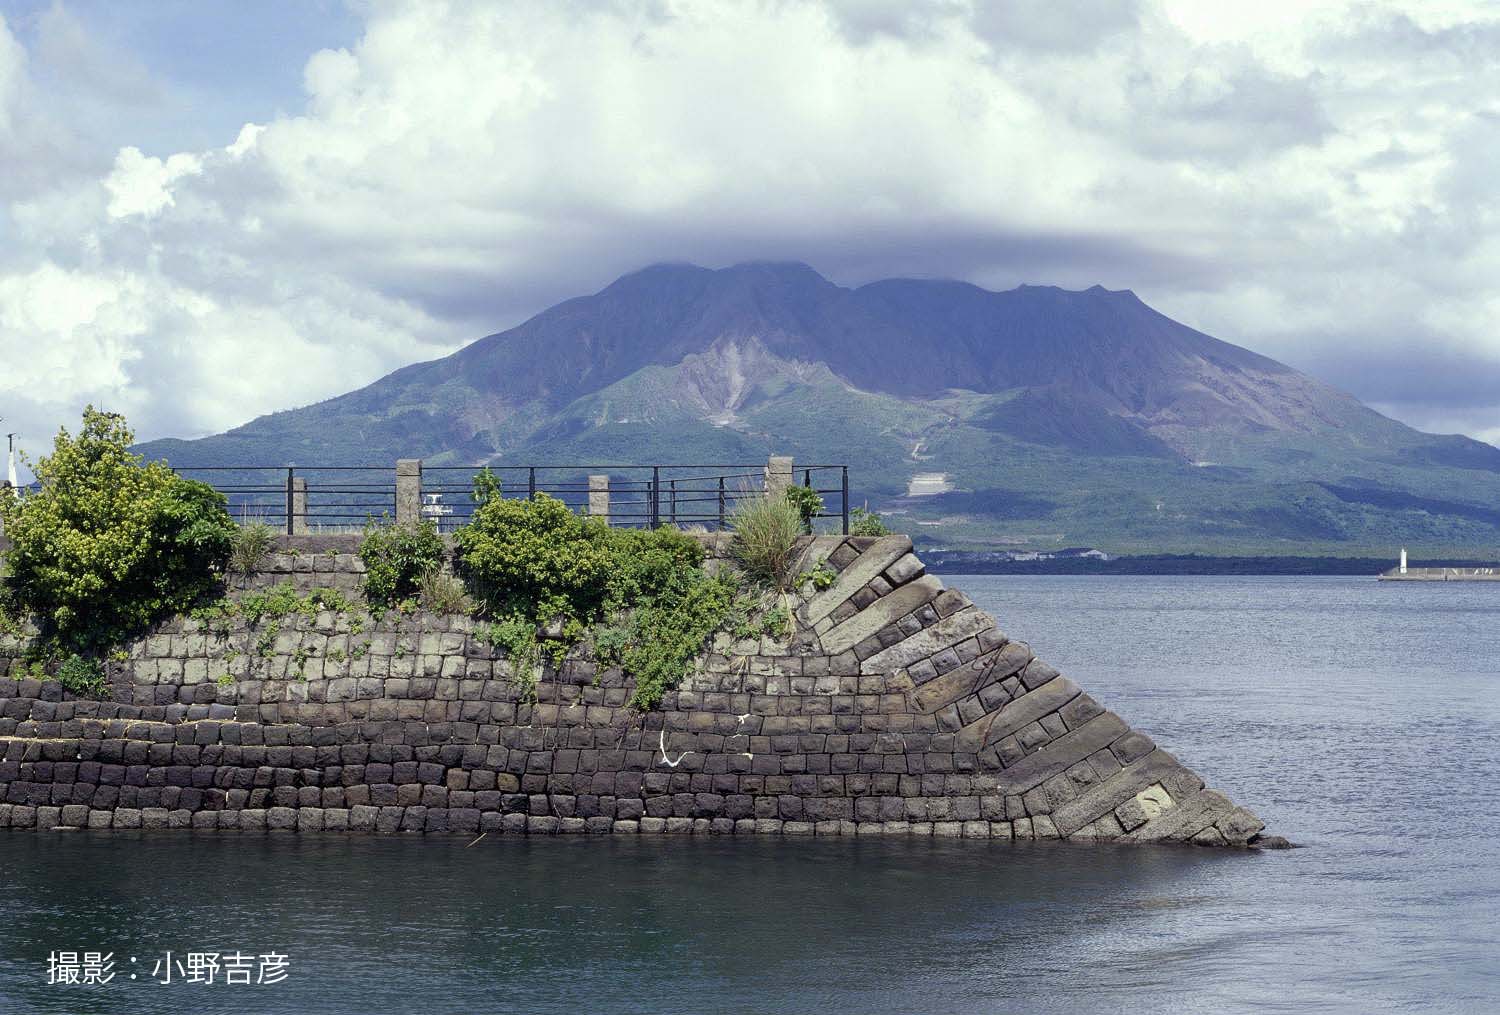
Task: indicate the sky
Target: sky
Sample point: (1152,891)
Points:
(210,210)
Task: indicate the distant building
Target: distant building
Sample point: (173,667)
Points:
(433,506)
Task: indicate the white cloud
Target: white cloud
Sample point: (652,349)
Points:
(1302,178)
(140,185)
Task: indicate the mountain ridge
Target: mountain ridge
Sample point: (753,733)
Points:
(1141,432)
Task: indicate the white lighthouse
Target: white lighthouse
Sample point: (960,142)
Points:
(1403,560)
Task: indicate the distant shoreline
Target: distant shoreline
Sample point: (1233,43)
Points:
(965,562)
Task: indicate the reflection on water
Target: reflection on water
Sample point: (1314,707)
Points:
(1358,719)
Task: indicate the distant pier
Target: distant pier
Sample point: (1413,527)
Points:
(1442,574)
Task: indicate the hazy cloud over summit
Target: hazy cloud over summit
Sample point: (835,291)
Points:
(208,215)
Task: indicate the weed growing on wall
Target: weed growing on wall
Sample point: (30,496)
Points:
(667,633)
(766,527)
(808,504)
(516,637)
(440,592)
(864,522)
(82,676)
(251,549)
(110,543)
(820,578)
(263,613)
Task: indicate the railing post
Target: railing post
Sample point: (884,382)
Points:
(291,511)
(408,491)
(845,470)
(778,473)
(672,485)
(721,503)
(599,497)
(655,496)
(299,507)
(531,483)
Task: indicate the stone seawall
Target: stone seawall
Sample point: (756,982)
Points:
(895,707)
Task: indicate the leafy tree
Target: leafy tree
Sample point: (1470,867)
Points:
(110,544)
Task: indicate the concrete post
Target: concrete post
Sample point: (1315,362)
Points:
(408,491)
(299,506)
(778,473)
(599,497)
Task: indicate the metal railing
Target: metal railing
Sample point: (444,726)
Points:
(298,499)
(302,499)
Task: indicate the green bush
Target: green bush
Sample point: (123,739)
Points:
(665,635)
(864,522)
(534,562)
(650,565)
(766,527)
(808,504)
(396,557)
(110,544)
(535,559)
(670,605)
(82,676)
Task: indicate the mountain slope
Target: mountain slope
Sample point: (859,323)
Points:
(1055,417)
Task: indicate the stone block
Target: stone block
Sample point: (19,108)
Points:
(1239,827)
(880,614)
(968,679)
(1132,746)
(856,575)
(1020,713)
(907,567)
(1061,754)
(1103,798)
(929,641)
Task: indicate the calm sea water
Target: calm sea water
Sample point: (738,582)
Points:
(1360,720)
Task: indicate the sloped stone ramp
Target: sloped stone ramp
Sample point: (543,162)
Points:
(1063,763)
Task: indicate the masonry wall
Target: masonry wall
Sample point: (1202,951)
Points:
(897,707)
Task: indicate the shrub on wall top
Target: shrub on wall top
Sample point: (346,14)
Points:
(397,558)
(534,562)
(534,558)
(109,543)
